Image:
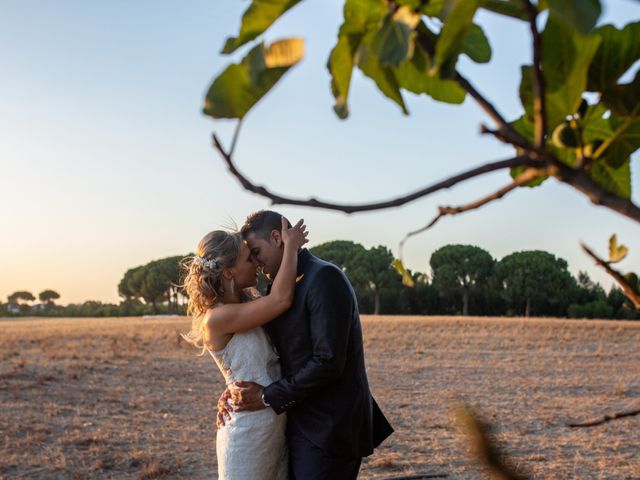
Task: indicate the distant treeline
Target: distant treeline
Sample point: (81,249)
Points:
(465,280)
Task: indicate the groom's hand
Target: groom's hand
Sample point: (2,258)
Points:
(246,396)
(224,409)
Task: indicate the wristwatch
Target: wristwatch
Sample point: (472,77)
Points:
(264,402)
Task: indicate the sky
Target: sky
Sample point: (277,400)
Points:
(107,162)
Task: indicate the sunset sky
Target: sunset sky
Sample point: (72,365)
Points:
(107,160)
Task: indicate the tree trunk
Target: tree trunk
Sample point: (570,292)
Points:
(527,309)
(465,302)
(376,296)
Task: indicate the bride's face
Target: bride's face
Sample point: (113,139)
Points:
(245,272)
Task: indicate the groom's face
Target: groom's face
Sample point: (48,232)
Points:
(267,252)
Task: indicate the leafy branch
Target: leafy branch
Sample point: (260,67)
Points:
(584,144)
(628,282)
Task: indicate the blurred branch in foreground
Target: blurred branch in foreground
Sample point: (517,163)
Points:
(485,447)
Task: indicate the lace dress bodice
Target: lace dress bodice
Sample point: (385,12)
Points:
(249,356)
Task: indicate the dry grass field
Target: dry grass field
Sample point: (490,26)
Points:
(126,398)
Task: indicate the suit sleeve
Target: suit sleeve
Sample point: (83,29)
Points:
(330,305)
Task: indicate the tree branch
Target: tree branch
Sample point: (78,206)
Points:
(577,178)
(540,120)
(524,177)
(605,419)
(617,276)
(582,182)
(396,202)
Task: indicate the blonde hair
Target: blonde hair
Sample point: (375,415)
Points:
(203,280)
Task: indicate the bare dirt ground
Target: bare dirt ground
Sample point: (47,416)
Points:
(126,398)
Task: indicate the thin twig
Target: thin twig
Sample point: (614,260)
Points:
(235,137)
(488,107)
(523,178)
(348,208)
(483,102)
(605,419)
(516,141)
(628,290)
(539,109)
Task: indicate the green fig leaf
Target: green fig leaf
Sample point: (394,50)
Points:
(384,77)
(413,76)
(565,65)
(360,16)
(623,100)
(581,14)
(240,86)
(510,8)
(614,180)
(341,63)
(256,19)
(395,40)
(617,52)
(458,23)
(476,45)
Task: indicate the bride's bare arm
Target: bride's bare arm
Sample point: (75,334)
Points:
(239,317)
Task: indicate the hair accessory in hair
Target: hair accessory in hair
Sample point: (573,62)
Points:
(209,263)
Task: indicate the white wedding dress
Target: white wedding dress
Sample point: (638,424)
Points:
(252,444)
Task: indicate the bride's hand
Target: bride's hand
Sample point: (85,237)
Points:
(296,236)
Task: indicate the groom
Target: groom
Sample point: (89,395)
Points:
(332,419)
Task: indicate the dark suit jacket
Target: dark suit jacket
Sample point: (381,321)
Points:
(324,388)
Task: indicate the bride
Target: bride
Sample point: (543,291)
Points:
(226,323)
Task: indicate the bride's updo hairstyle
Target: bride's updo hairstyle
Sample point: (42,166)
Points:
(203,280)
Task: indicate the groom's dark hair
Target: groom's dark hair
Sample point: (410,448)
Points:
(262,223)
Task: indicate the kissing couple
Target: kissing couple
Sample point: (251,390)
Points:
(297,404)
